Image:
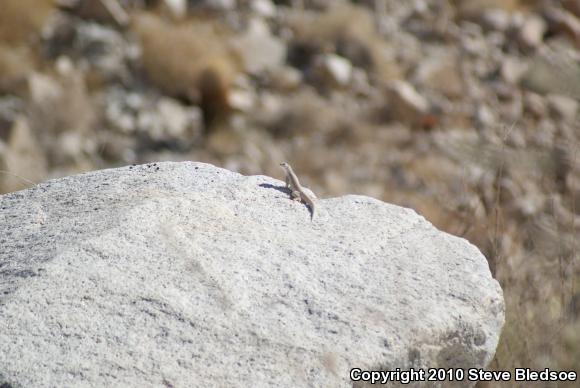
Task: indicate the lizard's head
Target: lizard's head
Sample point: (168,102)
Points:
(284,165)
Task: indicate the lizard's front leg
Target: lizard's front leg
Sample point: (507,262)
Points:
(296,195)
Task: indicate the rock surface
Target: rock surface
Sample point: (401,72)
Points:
(168,273)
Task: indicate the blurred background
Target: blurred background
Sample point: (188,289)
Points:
(466,111)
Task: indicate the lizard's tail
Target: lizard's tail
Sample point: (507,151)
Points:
(311,208)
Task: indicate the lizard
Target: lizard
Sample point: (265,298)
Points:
(297,191)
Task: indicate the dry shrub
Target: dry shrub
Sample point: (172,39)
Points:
(529,233)
(15,65)
(22,20)
(306,113)
(22,161)
(349,31)
(540,285)
(192,60)
(60,104)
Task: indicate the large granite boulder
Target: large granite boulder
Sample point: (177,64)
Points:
(188,275)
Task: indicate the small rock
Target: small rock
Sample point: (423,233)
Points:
(242,96)
(336,69)
(441,74)
(285,78)
(405,103)
(103,49)
(264,8)
(134,101)
(502,90)
(150,123)
(125,122)
(174,115)
(260,50)
(495,19)
(119,109)
(516,137)
(42,88)
(496,41)
(535,104)
(242,100)
(544,133)
(511,109)
(70,145)
(270,107)
(473,43)
(360,82)
(513,69)
(484,116)
(221,5)
(529,204)
(531,33)
(104,11)
(553,72)
(563,107)
(178,8)
(169,121)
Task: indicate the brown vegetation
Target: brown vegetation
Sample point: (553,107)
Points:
(191,60)
(21,21)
